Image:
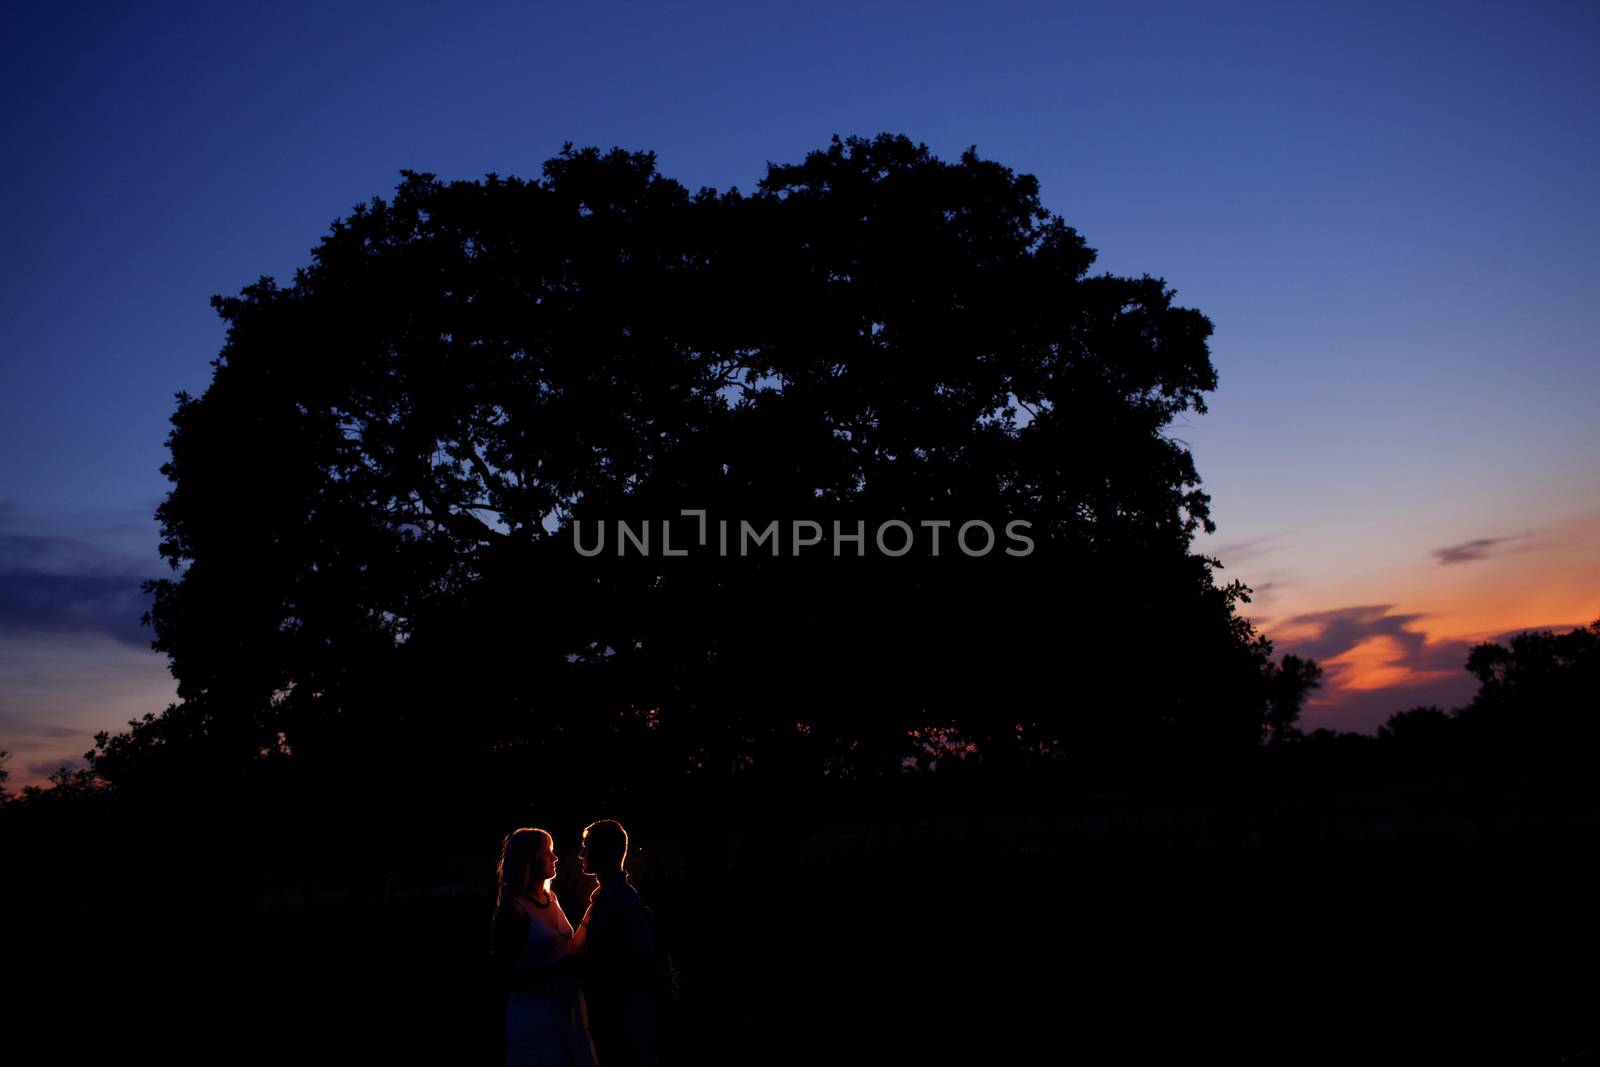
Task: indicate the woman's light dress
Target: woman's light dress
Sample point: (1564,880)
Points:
(544,1024)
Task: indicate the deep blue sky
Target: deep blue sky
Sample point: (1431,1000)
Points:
(1387,210)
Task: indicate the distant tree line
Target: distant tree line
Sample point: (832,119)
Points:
(1538,698)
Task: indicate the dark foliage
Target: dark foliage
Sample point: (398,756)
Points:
(1537,706)
(373,504)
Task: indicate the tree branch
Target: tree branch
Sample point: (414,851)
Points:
(463,524)
(491,480)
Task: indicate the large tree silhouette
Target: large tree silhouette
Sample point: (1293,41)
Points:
(372,505)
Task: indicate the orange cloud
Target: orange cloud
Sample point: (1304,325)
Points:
(1379,662)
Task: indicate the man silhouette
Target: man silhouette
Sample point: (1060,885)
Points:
(619,953)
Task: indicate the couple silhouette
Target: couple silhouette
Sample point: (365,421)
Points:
(576,998)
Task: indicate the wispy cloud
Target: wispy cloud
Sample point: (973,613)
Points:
(74,603)
(1481,548)
(17,726)
(60,575)
(1242,551)
(45,768)
(1267,591)
(1376,661)
(1328,634)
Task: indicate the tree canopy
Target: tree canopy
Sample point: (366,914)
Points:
(1536,694)
(373,504)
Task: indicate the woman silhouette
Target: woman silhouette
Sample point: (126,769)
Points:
(532,950)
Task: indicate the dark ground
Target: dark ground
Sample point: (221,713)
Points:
(1440,922)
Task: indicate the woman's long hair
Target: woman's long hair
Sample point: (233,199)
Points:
(516,856)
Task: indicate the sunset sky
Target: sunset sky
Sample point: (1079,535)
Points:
(1388,212)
